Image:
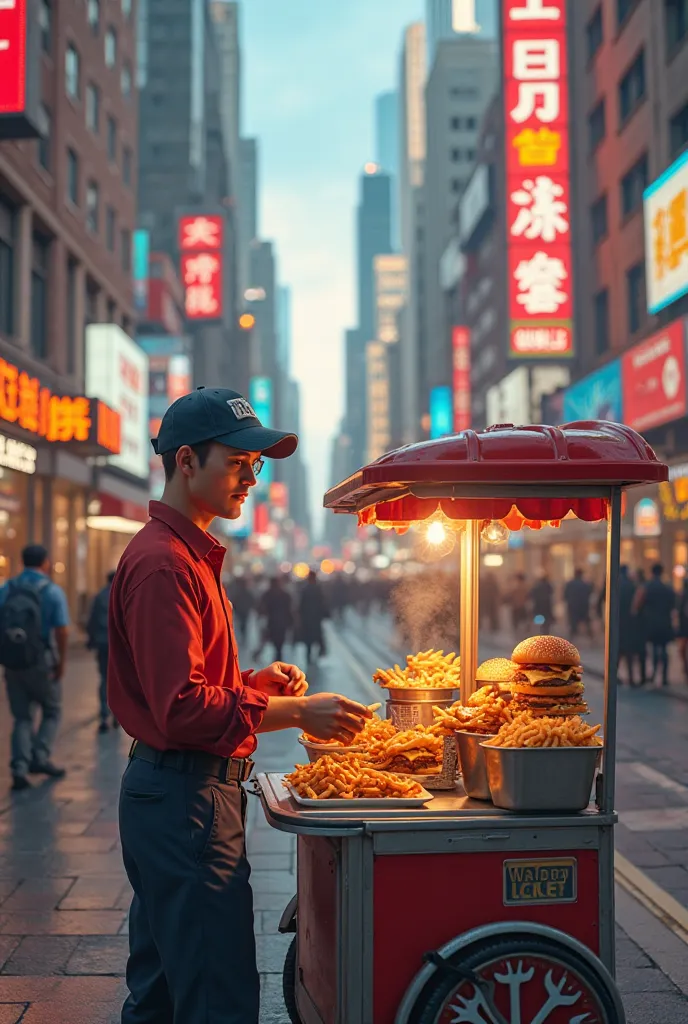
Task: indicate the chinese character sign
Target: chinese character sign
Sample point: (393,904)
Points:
(538,183)
(461,377)
(666,236)
(12,56)
(200,242)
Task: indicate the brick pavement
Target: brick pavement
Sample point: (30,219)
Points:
(64,895)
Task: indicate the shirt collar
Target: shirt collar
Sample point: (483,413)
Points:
(200,542)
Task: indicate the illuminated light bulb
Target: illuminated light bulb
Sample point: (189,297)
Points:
(495,533)
(436,533)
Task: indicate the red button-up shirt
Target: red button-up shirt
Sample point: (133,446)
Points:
(173,678)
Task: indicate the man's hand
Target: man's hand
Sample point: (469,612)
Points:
(280,680)
(330,716)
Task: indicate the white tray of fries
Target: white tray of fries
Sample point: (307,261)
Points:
(330,802)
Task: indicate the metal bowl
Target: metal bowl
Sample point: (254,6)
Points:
(472,763)
(316,750)
(420,695)
(406,714)
(541,778)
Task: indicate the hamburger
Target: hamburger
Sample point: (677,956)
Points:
(548,677)
(411,762)
(494,678)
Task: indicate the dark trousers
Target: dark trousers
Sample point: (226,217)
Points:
(102,654)
(28,690)
(192,953)
(660,657)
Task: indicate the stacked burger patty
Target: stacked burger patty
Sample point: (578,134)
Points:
(547,678)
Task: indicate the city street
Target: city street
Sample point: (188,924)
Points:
(64,896)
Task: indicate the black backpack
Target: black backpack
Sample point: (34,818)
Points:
(21,626)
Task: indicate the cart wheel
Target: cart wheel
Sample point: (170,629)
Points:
(525,979)
(289,983)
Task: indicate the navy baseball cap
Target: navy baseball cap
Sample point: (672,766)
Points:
(218,414)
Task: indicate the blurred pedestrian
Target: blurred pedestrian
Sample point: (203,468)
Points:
(542,603)
(241,598)
(682,605)
(629,647)
(34,624)
(577,594)
(277,613)
(518,597)
(98,641)
(313,611)
(490,598)
(656,603)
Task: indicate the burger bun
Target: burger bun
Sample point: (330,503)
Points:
(495,670)
(546,650)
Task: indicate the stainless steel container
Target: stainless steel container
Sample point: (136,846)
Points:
(472,763)
(541,778)
(409,707)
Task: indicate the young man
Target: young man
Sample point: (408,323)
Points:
(34,625)
(175,686)
(97,632)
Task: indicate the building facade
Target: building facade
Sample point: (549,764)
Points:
(67,214)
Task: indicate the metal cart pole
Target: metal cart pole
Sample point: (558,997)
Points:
(469,616)
(611,649)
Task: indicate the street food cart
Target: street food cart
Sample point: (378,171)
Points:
(456,910)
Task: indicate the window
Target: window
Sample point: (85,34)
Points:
(471,122)
(72,72)
(125,243)
(632,88)
(71,315)
(93,15)
(594,33)
(470,154)
(456,123)
(126,166)
(125,81)
(72,177)
(597,125)
(45,141)
(111,139)
(678,131)
(39,296)
(623,9)
(457,155)
(110,48)
(602,322)
(456,185)
(110,221)
(633,184)
(126,8)
(92,206)
(598,218)
(45,23)
(111,315)
(635,282)
(676,20)
(7,234)
(92,108)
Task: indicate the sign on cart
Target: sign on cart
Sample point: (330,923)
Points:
(540,881)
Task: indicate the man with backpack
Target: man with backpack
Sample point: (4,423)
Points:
(98,641)
(34,624)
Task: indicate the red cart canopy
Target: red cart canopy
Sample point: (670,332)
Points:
(449,474)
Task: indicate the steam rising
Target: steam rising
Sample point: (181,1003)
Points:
(426,608)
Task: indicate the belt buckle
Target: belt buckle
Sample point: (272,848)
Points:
(239,769)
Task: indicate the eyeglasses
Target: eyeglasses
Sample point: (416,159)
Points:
(257,466)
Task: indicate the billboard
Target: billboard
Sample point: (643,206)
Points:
(596,397)
(654,379)
(140,244)
(117,373)
(539,257)
(665,206)
(200,243)
(19,70)
(461,378)
(441,411)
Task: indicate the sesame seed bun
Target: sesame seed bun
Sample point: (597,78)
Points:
(546,650)
(496,670)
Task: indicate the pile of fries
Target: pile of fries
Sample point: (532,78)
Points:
(376,729)
(527,730)
(417,742)
(347,778)
(426,670)
(488,718)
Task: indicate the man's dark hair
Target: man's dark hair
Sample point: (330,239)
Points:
(658,570)
(34,556)
(169,459)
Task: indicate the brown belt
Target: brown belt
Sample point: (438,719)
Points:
(195,762)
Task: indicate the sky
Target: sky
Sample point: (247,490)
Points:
(311,72)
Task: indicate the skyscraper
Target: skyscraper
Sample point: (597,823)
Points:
(284,328)
(445,19)
(387,151)
(248,199)
(373,238)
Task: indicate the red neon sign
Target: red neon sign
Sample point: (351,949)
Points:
(202,231)
(538,182)
(461,377)
(200,242)
(12,56)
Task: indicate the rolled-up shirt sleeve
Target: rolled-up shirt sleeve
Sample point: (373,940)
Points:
(164,629)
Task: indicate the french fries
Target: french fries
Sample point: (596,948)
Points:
(486,718)
(375,729)
(402,749)
(347,778)
(426,670)
(528,730)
